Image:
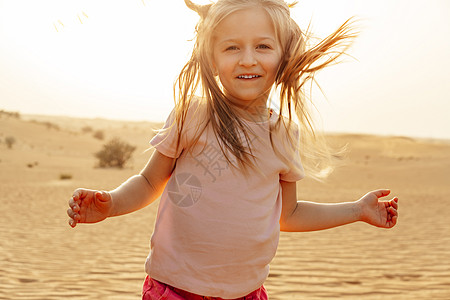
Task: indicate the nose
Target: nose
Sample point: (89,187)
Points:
(248,58)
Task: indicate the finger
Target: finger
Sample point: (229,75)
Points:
(394,203)
(394,220)
(75,200)
(74,205)
(381,193)
(392,212)
(70,213)
(72,223)
(73,215)
(79,194)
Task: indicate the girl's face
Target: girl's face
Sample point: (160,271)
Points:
(246,56)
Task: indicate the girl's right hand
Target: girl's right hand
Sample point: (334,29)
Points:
(89,206)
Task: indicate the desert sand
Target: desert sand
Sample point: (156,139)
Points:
(41,257)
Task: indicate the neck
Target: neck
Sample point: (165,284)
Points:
(255,114)
(255,110)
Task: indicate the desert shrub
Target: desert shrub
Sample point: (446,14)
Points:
(65,176)
(86,129)
(115,153)
(99,134)
(51,125)
(15,115)
(33,164)
(10,141)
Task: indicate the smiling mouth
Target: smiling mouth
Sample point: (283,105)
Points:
(248,76)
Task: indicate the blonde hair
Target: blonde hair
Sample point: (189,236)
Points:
(297,68)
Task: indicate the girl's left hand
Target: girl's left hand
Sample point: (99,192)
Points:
(376,212)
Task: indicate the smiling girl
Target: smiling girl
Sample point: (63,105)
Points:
(226,164)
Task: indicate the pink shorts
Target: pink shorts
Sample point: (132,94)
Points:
(155,290)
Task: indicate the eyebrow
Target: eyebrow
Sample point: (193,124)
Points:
(238,40)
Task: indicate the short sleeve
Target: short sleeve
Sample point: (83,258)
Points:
(295,169)
(167,138)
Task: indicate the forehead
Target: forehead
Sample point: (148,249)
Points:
(245,23)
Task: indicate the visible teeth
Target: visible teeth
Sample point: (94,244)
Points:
(248,76)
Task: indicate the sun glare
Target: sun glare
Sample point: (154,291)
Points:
(120,58)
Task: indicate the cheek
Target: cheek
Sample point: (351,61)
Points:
(276,61)
(274,65)
(224,68)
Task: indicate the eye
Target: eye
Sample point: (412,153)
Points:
(231,48)
(263,46)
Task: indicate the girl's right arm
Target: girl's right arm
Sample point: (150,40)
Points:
(89,206)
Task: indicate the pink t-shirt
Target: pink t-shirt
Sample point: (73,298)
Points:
(217,228)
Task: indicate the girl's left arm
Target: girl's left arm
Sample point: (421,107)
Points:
(309,216)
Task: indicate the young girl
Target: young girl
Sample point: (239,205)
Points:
(226,164)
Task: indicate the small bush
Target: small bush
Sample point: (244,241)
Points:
(65,176)
(15,115)
(115,153)
(10,141)
(51,125)
(99,134)
(86,129)
(31,165)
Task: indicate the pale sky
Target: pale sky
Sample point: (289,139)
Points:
(119,59)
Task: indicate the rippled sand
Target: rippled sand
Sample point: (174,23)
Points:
(41,257)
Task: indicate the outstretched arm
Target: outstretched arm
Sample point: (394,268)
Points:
(141,190)
(91,206)
(309,216)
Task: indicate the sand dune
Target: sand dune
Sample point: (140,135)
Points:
(41,257)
